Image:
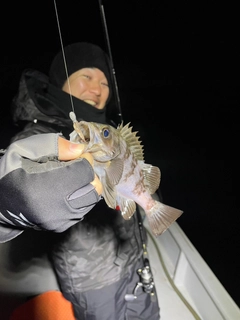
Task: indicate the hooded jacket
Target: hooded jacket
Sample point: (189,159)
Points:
(103,247)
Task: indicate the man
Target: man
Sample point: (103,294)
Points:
(96,260)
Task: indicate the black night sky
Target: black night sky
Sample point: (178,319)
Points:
(177,69)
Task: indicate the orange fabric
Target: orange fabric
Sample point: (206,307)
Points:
(50,305)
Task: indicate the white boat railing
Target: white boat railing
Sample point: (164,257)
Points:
(183,278)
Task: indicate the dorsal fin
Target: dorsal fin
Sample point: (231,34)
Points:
(132,140)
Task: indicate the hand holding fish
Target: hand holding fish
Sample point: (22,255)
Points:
(126,178)
(69,151)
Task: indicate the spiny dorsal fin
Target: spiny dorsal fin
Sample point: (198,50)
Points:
(132,140)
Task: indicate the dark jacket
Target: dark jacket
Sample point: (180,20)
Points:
(102,248)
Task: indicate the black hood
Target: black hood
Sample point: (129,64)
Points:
(39,100)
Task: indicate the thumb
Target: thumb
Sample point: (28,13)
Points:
(68,150)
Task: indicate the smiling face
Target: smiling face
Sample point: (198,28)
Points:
(89,85)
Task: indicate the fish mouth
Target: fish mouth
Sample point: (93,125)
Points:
(84,132)
(87,137)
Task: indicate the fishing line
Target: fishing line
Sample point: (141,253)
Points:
(64,57)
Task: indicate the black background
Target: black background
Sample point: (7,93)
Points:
(177,69)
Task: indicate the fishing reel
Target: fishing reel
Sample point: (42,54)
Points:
(146,283)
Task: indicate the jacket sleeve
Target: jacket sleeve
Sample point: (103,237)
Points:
(39,191)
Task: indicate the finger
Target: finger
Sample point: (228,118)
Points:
(96,182)
(68,150)
(97,185)
(87,156)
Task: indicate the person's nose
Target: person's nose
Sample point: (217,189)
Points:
(96,88)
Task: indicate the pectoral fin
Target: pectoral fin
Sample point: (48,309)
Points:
(110,179)
(109,193)
(114,171)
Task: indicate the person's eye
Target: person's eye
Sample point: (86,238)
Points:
(86,76)
(105,84)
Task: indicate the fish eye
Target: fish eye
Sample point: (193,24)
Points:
(106,132)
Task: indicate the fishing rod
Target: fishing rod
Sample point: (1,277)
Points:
(109,51)
(145,273)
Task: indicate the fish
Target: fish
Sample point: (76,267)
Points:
(127,180)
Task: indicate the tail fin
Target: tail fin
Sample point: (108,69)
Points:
(161,216)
